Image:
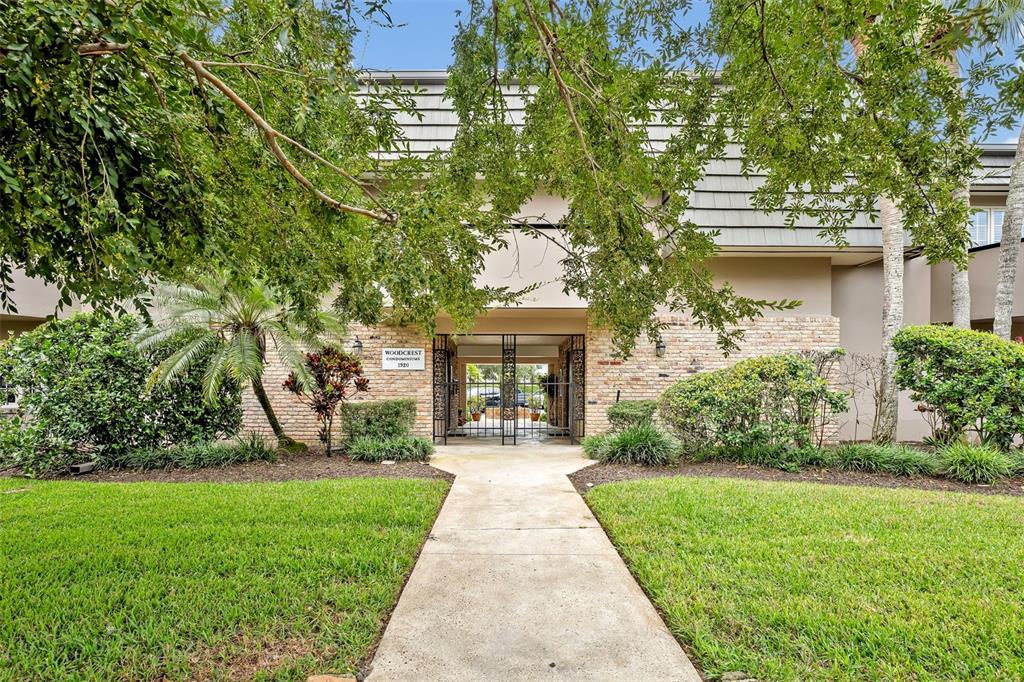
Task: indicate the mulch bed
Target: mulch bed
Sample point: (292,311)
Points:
(586,478)
(303,467)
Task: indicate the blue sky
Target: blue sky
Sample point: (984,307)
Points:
(423,40)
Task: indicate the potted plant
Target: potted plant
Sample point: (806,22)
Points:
(536,403)
(476,406)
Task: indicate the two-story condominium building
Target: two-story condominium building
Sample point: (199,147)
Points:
(840,290)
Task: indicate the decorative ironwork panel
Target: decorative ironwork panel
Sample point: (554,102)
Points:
(578,386)
(508,388)
(440,367)
(453,387)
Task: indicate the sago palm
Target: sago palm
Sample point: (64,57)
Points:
(231,328)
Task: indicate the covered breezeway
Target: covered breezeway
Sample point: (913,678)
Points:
(510,388)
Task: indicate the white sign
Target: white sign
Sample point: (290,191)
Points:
(401,358)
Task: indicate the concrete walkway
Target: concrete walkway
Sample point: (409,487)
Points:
(519,582)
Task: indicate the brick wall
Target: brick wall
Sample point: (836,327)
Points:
(298,420)
(690,349)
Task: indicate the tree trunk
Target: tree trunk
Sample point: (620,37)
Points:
(330,427)
(1009,246)
(275,426)
(884,430)
(961,298)
(961,281)
(887,415)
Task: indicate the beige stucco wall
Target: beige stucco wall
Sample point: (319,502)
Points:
(793,278)
(982,273)
(34,302)
(857,301)
(528,320)
(33,297)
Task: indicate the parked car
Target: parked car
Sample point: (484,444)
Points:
(492,396)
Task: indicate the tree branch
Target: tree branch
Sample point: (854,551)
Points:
(100,49)
(252,65)
(544,37)
(767,60)
(271,136)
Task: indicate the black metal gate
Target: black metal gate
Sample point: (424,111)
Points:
(575,366)
(445,387)
(506,406)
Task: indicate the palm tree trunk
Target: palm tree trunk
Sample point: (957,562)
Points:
(1009,246)
(886,419)
(268,409)
(961,280)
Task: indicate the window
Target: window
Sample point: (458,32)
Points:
(986,226)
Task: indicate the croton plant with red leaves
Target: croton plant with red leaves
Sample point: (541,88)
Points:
(331,377)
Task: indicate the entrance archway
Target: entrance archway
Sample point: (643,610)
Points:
(493,386)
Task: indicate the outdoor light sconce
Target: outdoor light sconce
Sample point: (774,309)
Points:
(357,347)
(659,347)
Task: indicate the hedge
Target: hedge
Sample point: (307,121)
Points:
(627,413)
(378,418)
(973,381)
(81,385)
(776,400)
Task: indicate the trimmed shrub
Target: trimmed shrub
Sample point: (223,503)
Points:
(398,449)
(975,464)
(767,401)
(974,381)
(200,455)
(627,413)
(644,444)
(82,394)
(378,419)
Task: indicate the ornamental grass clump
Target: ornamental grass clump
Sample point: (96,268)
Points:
(594,446)
(200,455)
(904,460)
(644,444)
(899,460)
(396,449)
(975,463)
(860,457)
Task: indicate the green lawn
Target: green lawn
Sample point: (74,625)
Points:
(793,581)
(207,581)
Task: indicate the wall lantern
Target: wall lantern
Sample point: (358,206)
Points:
(357,347)
(659,347)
